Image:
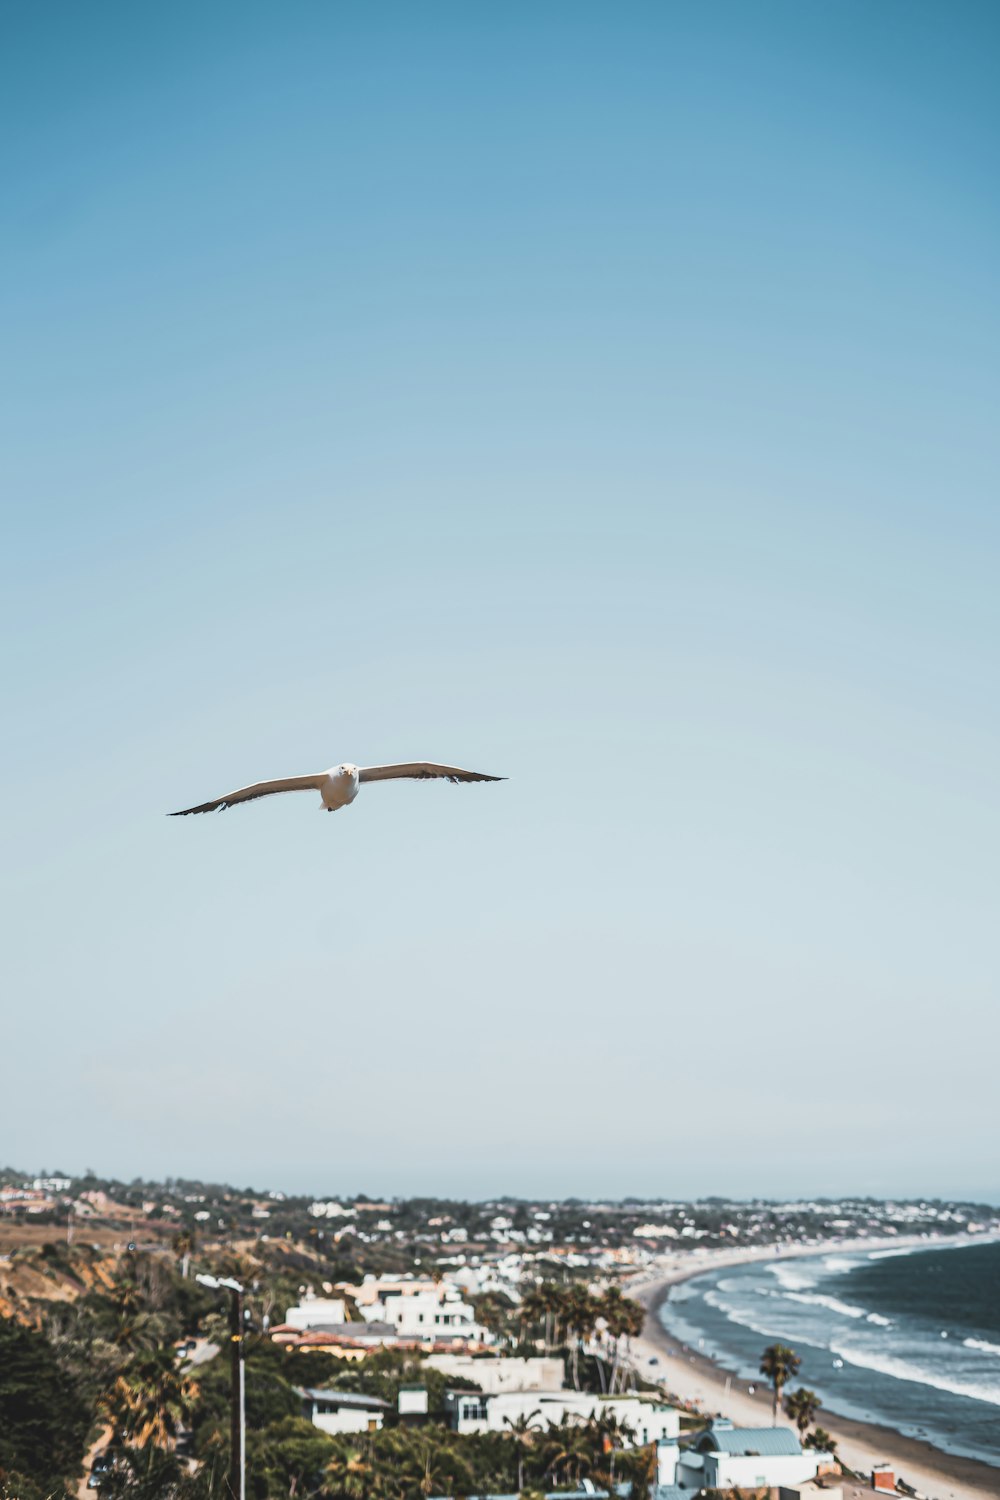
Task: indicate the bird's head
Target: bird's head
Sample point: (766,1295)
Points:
(348,768)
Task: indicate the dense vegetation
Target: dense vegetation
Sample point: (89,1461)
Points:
(103,1374)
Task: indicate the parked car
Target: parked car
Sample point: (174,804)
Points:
(99,1470)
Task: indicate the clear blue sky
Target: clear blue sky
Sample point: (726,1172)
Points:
(600,395)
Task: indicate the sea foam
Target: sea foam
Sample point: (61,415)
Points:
(983,1345)
(793,1278)
(819,1299)
(901,1369)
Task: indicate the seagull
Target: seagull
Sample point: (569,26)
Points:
(339,785)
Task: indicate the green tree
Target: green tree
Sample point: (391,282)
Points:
(624,1319)
(149,1400)
(569,1450)
(821,1439)
(494,1312)
(523,1430)
(150,1473)
(348,1476)
(778,1364)
(43,1417)
(289,1458)
(581,1310)
(535,1312)
(802,1406)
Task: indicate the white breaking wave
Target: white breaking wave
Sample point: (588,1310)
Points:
(795,1278)
(899,1369)
(983,1345)
(742,1318)
(878,1318)
(818,1299)
(839,1263)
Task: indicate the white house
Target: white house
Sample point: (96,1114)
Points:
(726,1457)
(342,1411)
(317,1312)
(650,1420)
(420,1309)
(502,1373)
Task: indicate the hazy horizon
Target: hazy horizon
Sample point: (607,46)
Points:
(601,399)
(304,1187)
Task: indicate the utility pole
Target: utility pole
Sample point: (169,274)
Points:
(237,1389)
(238,1435)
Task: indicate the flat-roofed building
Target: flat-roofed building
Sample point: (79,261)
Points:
(648,1418)
(342,1411)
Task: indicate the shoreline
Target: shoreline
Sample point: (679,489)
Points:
(708,1386)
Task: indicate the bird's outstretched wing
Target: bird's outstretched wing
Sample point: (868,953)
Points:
(259,789)
(422,770)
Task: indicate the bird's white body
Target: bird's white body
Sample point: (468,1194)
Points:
(340,787)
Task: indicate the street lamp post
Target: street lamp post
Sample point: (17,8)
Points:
(238,1425)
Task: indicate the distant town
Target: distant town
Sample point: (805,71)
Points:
(405,1347)
(572,1234)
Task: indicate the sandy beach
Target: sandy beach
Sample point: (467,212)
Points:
(693,1378)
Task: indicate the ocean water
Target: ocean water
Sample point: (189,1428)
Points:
(907,1338)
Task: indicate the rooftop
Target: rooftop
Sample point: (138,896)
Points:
(769,1442)
(343,1398)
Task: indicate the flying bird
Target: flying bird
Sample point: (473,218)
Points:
(339,785)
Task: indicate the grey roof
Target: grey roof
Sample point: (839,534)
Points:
(343,1398)
(357,1331)
(769,1442)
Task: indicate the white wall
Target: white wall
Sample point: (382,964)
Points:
(347,1419)
(650,1421)
(503,1374)
(428,1315)
(667,1455)
(725,1472)
(315,1311)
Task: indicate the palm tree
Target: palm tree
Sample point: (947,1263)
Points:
(522,1429)
(554,1298)
(535,1311)
(802,1406)
(613,1434)
(349,1476)
(639,1465)
(624,1318)
(568,1450)
(183,1249)
(581,1316)
(778,1363)
(634,1317)
(494,1314)
(614,1431)
(611,1310)
(821,1439)
(149,1400)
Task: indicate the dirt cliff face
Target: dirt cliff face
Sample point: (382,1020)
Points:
(32,1279)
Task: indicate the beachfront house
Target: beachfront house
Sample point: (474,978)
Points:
(649,1419)
(725,1457)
